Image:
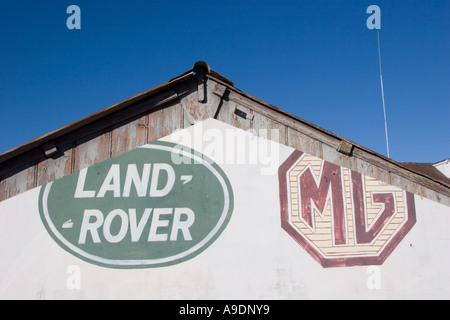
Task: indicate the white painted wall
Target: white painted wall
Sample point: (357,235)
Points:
(444,167)
(254,258)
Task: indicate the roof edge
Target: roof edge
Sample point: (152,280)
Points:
(199,69)
(340,138)
(17,151)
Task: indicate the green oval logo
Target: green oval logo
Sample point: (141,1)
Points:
(157,205)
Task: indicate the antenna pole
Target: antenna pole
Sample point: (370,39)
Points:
(382,94)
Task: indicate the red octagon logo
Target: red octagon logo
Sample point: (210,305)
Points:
(341,217)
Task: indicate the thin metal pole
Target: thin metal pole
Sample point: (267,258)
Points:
(382,93)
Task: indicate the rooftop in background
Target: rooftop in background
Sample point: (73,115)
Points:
(202,93)
(439,171)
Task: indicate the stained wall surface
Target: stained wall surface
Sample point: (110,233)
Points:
(311,214)
(255,257)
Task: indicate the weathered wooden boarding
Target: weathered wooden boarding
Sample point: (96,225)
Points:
(195,95)
(197,190)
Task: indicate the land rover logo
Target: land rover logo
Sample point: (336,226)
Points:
(140,209)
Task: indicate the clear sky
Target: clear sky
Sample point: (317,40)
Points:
(314,59)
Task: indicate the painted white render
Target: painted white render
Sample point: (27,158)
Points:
(254,258)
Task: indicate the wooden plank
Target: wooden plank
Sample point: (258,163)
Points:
(415,188)
(129,135)
(238,121)
(332,155)
(299,125)
(227,114)
(54,168)
(190,104)
(397,169)
(164,121)
(269,128)
(91,150)
(21,162)
(17,183)
(304,143)
(195,111)
(148,99)
(373,171)
(333,141)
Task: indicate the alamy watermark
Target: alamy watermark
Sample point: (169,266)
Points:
(73,281)
(374,279)
(374,21)
(231,146)
(74,20)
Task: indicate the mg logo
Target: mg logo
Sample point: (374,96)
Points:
(339,216)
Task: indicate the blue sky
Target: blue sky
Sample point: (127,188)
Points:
(314,59)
